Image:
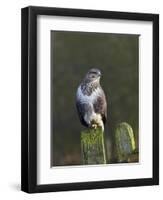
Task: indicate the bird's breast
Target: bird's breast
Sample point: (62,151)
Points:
(83,98)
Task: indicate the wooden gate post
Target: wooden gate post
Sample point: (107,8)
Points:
(92,146)
(125,143)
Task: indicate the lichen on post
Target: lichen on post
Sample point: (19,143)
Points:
(92,146)
(124,142)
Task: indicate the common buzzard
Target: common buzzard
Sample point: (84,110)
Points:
(91,101)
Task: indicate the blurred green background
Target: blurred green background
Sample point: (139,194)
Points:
(72,55)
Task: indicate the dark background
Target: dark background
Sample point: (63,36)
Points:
(72,55)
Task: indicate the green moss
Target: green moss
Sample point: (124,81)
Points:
(93,149)
(91,136)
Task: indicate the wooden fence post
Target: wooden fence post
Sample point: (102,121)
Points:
(92,146)
(125,143)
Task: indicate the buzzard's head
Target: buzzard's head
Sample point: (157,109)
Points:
(93,75)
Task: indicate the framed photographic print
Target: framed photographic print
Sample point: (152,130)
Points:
(90,99)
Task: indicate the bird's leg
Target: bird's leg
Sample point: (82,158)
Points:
(97,123)
(94,126)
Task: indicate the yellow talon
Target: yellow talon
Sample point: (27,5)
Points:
(94,126)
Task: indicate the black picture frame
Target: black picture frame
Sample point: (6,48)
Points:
(29,99)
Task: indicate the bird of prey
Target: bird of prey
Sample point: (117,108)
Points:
(91,101)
